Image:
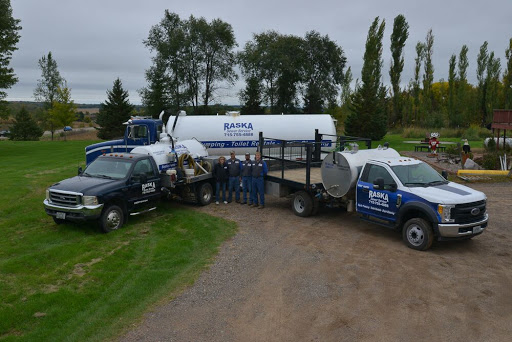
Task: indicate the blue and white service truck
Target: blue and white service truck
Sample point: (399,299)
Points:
(398,192)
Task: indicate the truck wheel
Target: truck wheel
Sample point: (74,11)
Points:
(302,204)
(111,219)
(418,234)
(204,194)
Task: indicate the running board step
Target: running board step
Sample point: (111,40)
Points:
(142,212)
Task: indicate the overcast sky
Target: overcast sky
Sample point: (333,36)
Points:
(96,41)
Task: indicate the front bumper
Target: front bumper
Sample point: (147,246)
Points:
(76,213)
(454,230)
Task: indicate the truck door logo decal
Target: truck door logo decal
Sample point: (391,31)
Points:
(148,188)
(379,198)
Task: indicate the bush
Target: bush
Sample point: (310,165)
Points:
(414,132)
(491,159)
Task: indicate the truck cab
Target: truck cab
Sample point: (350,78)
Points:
(112,187)
(408,194)
(140,131)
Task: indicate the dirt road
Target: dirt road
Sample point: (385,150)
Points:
(333,277)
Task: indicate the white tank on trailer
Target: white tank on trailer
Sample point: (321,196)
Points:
(223,133)
(166,158)
(340,170)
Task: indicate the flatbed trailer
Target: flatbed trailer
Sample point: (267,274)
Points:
(294,169)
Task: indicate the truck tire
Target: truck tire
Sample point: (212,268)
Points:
(418,234)
(204,194)
(111,219)
(302,204)
(316,207)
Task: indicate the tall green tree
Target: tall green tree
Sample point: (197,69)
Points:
(155,96)
(415,84)
(346,91)
(251,97)
(398,39)
(507,77)
(116,110)
(428,75)
(492,82)
(453,115)
(368,116)
(259,58)
(290,59)
(25,127)
(47,88)
(321,72)
(462,91)
(63,108)
(481,67)
(197,55)
(9,37)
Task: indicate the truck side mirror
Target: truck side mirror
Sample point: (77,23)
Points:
(378,183)
(80,170)
(444,173)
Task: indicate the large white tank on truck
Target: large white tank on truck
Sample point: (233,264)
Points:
(223,133)
(166,158)
(340,170)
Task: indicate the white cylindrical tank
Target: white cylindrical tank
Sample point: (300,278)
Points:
(340,170)
(508,141)
(223,133)
(166,158)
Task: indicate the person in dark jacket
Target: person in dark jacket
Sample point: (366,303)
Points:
(259,170)
(220,174)
(234,177)
(246,173)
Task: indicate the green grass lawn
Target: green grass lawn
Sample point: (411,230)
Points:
(396,141)
(73,283)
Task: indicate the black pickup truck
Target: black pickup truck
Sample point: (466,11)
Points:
(111,188)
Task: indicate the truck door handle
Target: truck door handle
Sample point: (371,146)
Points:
(366,190)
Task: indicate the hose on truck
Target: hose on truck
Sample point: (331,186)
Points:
(202,167)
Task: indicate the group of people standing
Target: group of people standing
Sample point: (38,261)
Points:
(233,171)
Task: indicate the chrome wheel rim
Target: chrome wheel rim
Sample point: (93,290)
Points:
(415,235)
(113,219)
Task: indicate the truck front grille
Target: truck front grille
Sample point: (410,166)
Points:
(67,199)
(469,212)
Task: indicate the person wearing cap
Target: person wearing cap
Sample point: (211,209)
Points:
(259,170)
(234,177)
(246,172)
(220,174)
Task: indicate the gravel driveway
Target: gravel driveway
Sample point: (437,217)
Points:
(333,277)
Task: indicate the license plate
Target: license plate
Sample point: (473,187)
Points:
(61,216)
(477,229)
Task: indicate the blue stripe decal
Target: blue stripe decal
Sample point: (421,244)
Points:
(452,189)
(254,143)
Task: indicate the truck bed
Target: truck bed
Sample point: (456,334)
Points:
(298,175)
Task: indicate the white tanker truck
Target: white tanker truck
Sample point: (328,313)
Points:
(219,133)
(383,187)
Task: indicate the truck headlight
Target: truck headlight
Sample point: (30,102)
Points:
(47,194)
(444,211)
(89,200)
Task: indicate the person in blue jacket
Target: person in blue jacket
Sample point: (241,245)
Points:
(246,173)
(220,174)
(234,167)
(259,170)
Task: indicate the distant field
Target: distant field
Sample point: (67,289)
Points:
(71,282)
(95,110)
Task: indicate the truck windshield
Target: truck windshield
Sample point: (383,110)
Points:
(418,175)
(108,168)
